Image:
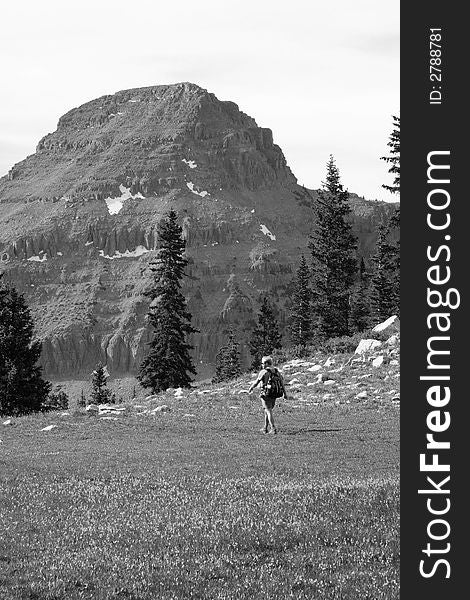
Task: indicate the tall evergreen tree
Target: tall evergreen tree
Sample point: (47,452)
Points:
(394,157)
(22,388)
(386,270)
(100,394)
(332,245)
(386,261)
(168,363)
(360,301)
(227,362)
(266,336)
(300,322)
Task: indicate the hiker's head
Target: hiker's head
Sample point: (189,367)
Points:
(267,361)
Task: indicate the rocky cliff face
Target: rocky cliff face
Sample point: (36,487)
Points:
(78,223)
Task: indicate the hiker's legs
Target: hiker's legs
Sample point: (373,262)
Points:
(268,418)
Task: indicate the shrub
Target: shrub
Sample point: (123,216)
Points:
(57,399)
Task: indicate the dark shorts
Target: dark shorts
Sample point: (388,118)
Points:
(268,403)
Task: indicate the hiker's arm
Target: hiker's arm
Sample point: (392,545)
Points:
(253,385)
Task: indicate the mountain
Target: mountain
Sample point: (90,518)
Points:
(78,221)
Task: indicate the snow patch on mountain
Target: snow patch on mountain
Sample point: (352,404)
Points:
(115,204)
(191,164)
(38,258)
(139,251)
(266,231)
(203,194)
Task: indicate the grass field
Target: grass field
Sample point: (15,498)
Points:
(196,503)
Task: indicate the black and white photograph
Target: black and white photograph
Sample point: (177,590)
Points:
(200,300)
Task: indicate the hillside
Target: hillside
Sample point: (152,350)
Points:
(78,221)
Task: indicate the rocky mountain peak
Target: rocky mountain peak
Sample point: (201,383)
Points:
(78,224)
(151,140)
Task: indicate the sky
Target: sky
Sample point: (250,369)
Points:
(324,76)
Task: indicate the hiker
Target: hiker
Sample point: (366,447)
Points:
(272,388)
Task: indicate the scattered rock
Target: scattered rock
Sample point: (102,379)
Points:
(390,322)
(48,428)
(110,409)
(378,361)
(190,415)
(162,408)
(314,368)
(394,362)
(293,381)
(108,418)
(361,395)
(151,397)
(367,345)
(329,361)
(179,393)
(92,408)
(392,340)
(7,422)
(329,382)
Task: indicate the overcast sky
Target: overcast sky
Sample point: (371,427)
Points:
(324,76)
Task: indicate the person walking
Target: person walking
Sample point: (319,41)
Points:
(272,388)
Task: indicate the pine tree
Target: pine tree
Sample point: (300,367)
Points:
(386,270)
(227,362)
(334,266)
(22,388)
(300,324)
(394,158)
(168,363)
(100,394)
(266,337)
(81,402)
(361,301)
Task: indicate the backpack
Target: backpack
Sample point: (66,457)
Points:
(274,386)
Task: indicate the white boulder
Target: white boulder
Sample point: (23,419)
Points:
(390,322)
(162,408)
(378,361)
(367,346)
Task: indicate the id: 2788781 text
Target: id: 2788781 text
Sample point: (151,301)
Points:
(435,66)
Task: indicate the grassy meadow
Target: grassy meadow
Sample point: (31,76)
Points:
(195,502)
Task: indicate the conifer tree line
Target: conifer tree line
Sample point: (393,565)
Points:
(335,293)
